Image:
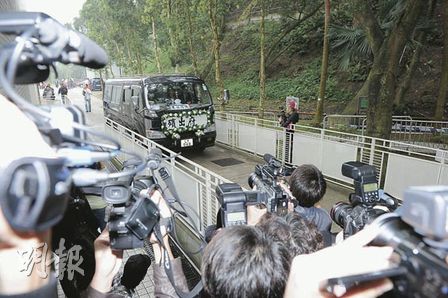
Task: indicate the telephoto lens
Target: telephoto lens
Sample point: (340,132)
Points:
(339,213)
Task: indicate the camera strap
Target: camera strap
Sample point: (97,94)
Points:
(168,267)
(169,182)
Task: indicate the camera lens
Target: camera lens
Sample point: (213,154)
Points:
(252,180)
(339,213)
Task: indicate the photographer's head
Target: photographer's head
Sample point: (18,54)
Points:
(307,185)
(299,235)
(241,261)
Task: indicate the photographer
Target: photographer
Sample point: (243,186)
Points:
(298,234)
(242,261)
(308,186)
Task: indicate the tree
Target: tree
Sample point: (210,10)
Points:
(387,47)
(262,60)
(443,87)
(190,35)
(324,68)
(405,83)
(214,17)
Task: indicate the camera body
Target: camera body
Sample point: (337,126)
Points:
(418,232)
(233,199)
(365,203)
(132,216)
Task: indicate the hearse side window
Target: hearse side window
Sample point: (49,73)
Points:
(136,92)
(127,95)
(108,93)
(116,95)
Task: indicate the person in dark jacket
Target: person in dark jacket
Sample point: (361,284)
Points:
(287,121)
(63,91)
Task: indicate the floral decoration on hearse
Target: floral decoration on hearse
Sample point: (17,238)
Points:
(174,123)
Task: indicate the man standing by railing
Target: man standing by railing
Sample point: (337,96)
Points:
(63,91)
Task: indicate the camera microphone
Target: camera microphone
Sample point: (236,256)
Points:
(83,156)
(86,177)
(60,43)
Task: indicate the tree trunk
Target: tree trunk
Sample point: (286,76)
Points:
(443,87)
(156,45)
(406,81)
(194,59)
(385,68)
(262,63)
(172,37)
(212,12)
(324,69)
(380,85)
(111,71)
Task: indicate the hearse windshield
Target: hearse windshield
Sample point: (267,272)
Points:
(192,93)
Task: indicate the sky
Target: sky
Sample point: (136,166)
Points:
(62,10)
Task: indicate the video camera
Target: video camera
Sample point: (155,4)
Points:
(418,232)
(132,215)
(233,199)
(366,204)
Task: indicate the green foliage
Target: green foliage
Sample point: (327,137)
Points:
(303,84)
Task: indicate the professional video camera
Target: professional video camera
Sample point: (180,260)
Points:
(233,199)
(132,216)
(366,204)
(419,235)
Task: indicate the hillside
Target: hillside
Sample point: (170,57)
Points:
(296,72)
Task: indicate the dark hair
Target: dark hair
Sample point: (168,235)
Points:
(307,185)
(241,261)
(298,234)
(135,270)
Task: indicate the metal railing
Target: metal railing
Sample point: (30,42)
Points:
(404,128)
(398,164)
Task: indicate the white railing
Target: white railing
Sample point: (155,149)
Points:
(195,184)
(404,129)
(398,164)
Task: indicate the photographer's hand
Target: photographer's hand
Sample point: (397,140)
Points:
(254,213)
(107,263)
(347,258)
(285,187)
(164,211)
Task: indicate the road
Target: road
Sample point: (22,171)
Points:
(235,165)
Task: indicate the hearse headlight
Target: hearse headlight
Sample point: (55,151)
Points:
(151,114)
(210,128)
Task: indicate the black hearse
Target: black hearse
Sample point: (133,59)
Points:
(175,111)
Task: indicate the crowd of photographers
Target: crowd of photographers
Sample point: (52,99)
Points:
(240,261)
